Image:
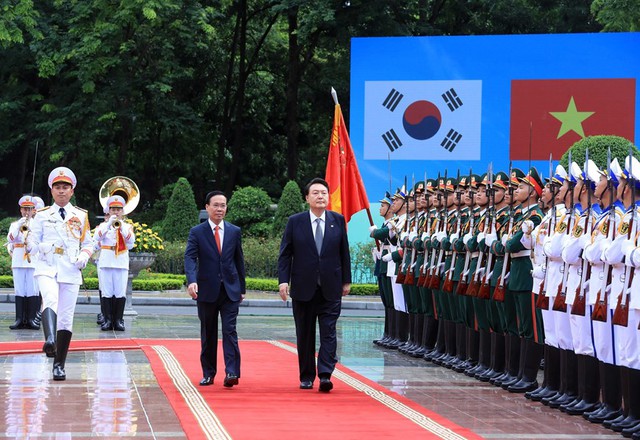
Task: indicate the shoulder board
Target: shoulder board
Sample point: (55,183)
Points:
(43,209)
(80,209)
(533,214)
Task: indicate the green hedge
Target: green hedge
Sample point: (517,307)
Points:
(154,281)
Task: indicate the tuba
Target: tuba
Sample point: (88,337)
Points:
(123,187)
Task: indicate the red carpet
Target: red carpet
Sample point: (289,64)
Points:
(268,403)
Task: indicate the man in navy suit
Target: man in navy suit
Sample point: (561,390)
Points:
(314,259)
(214,264)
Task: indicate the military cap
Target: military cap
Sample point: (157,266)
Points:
(463,182)
(27,201)
(560,175)
(615,172)
(533,179)
(516,176)
(39,202)
(62,174)
(431,186)
(418,188)
(451,184)
(475,181)
(501,180)
(401,193)
(632,170)
(115,202)
(591,174)
(386,199)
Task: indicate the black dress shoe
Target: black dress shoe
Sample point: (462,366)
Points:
(207,380)
(306,384)
(230,380)
(325,385)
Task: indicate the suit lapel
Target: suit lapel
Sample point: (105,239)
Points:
(208,232)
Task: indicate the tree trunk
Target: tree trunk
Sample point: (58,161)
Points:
(293,85)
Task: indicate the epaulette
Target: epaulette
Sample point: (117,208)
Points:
(43,209)
(80,209)
(534,213)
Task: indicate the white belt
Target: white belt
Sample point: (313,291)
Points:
(525,253)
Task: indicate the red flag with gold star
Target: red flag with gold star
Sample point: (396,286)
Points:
(559,113)
(346,190)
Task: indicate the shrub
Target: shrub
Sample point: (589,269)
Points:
(365,289)
(4,225)
(261,256)
(171,259)
(182,212)
(290,202)
(598,150)
(362,265)
(262,284)
(250,208)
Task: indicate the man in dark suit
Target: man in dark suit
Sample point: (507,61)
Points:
(214,265)
(314,258)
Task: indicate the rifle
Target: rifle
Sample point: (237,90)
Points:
(579,303)
(462,283)
(484,288)
(621,313)
(400,276)
(499,291)
(434,282)
(600,308)
(409,278)
(435,223)
(560,302)
(542,301)
(423,268)
(447,287)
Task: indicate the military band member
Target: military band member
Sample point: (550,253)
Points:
(115,238)
(61,235)
(27,299)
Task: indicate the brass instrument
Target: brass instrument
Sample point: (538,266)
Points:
(123,187)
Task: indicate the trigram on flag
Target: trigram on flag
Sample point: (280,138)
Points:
(422,120)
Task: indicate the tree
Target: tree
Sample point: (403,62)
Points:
(250,209)
(598,146)
(617,15)
(290,203)
(182,212)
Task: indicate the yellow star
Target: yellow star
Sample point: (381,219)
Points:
(571,119)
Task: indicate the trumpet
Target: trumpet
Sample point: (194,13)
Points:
(116,224)
(24,228)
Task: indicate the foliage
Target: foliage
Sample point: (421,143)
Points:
(5,223)
(157,284)
(290,203)
(617,15)
(598,146)
(365,289)
(5,262)
(18,16)
(262,284)
(261,256)
(146,239)
(362,265)
(182,212)
(171,259)
(250,209)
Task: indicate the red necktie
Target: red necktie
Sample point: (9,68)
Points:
(217,239)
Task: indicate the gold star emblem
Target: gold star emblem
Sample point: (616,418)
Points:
(571,119)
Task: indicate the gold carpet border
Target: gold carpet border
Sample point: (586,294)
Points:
(393,404)
(206,418)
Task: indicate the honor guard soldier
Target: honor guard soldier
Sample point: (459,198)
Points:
(381,234)
(520,284)
(115,238)
(602,327)
(27,300)
(61,235)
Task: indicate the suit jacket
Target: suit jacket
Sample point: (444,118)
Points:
(300,265)
(204,265)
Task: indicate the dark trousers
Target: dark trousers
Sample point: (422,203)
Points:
(208,314)
(305,314)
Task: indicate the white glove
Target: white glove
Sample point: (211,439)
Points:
(454,237)
(538,273)
(481,237)
(44,248)
(490,238)
(468,236)
(387,257)
(376,254)
(403,235)
(613,254)
(626,248)
(111,220)
(424,237)
(82,260)
(527,226)
(372,228)
(634,258)
(412,236)
(440,235)
(22,221)
(504,240)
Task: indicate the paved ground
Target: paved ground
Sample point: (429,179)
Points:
(115,392)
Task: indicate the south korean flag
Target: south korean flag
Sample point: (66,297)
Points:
(422,120)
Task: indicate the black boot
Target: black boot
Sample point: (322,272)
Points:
(385,333)
(439,347)
(588,387)
(496,366)
(420,349)
(630,386)
(410,334)
(570,379)
(512,362)
(118,313)
(108,314)
(484,354)
(38,318)
(49,322)
(611,395)
(529,370)
(32,308)
(551,383)
(100,316)
(20,306)
(402,324)
(64,338)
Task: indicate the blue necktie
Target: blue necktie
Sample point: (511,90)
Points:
(62,213)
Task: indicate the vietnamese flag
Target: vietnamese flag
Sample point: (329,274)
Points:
(560,112)
(346,190)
